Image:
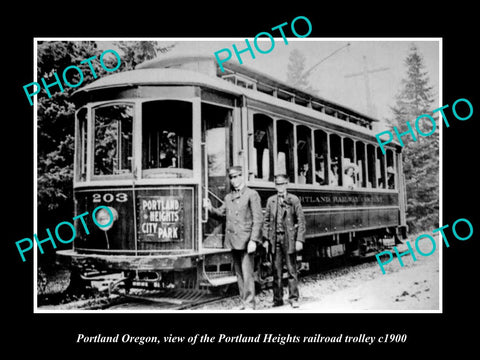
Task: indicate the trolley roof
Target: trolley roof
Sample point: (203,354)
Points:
(232,67)
(169,70)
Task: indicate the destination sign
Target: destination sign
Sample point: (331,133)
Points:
(161,218)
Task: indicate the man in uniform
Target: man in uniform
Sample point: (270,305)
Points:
(243,231)
(284,228)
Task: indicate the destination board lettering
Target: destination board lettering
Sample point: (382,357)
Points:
(161,218)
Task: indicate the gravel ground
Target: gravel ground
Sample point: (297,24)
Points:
(413,287)
(360,287)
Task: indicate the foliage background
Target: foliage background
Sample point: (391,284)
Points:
(421,157)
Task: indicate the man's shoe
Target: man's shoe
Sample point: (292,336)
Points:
(294,304)
(277,303)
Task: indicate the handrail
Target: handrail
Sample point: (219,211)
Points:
(205,181)
(214,195)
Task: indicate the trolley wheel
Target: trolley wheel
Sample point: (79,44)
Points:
(77,285)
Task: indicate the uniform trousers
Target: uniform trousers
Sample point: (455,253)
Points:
(281,254)
(243,264)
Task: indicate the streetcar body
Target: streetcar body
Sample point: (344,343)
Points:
(153,143)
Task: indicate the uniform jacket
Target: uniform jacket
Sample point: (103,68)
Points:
(243,212)
(293,221)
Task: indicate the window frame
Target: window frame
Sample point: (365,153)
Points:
(91,132)
(272,157)
(310,156)
(190,94)
(394,165)
(353,158)
(372,165)
(382,175)
(80,160)
(362,180)
(326,159)
(161,173)
(293,150)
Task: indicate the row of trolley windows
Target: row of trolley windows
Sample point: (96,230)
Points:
(166,142)
(359,165)
(167,146)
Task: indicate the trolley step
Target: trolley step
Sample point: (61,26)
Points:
(217,279)
(223,281)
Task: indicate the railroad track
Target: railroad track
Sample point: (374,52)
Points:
(184,299)
(174,299)
(178,299)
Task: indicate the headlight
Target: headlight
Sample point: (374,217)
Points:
(104,217)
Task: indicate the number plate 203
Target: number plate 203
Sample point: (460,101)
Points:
(109,197)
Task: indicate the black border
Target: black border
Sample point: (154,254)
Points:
(428,333)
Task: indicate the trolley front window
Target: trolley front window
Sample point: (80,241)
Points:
(113,139)
(167,139)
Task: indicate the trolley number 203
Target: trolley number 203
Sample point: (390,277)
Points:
(393,338)
(108,197)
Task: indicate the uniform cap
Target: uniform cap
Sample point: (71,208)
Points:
(235,170)
(283,176)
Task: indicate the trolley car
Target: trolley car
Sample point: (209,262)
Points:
(153,143)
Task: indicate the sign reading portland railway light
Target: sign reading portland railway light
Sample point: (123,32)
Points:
(161,218)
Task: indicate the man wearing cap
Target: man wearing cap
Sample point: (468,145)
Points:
(284,228)
(243,211)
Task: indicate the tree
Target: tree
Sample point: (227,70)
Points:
(136,52)
(56,125)
(421,157)
(296,70)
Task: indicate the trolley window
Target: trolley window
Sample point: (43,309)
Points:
(321,157)
(361,164)
(381,178)
(371,178)
(113,139)
(81,170)
(167,139)
(216,121)
(262,147)
(285,150)
(335,160)
(391,173)
(304,154)
(349,167)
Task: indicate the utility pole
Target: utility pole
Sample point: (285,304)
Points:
(365,73)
